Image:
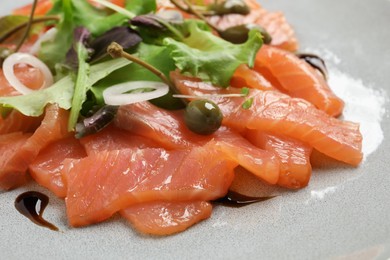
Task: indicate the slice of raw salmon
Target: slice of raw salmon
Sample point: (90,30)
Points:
(294,156)
(297,78)
(261,163)
(278,113)
(10,174)
(166,218)
(104,183)
(52,128)
(114,138)
(246,77)
(169,130)
(46,168)
(162,126)
(16,121)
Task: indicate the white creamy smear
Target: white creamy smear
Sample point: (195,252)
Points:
(364,102)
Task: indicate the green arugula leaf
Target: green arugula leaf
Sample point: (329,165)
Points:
(211,58)
(61,92)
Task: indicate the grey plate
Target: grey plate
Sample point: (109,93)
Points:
(343,213)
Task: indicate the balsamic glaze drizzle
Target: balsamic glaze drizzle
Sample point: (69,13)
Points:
(237,200)
(315,61)
(26,203)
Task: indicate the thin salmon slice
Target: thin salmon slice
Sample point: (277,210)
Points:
(169,130)
(166,218)
(52,128)
(298,79)
(104,183)
(278,113)
(46,168)
(164,127)
(246,77)
(262,164)
(16,121)
(10,175)
(294,156)
(114,138)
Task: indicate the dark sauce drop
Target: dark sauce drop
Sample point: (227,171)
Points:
(315,61)
(26,203)
(236,200)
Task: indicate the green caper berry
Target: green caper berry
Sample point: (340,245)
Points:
(239,34)
(203,116)
(230,7)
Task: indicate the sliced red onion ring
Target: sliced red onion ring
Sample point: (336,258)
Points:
(116,95)
(18,58)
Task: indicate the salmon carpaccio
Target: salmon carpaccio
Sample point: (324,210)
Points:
(151,169)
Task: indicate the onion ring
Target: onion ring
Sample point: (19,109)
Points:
(17,58)
(115,95)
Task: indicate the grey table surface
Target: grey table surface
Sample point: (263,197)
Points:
(343,214)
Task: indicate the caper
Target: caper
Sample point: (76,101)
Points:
(230,7)
(203,116)
(239,33)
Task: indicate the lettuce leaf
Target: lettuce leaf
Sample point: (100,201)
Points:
(61,92)
(33,104)
(211,58)
(82,86)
